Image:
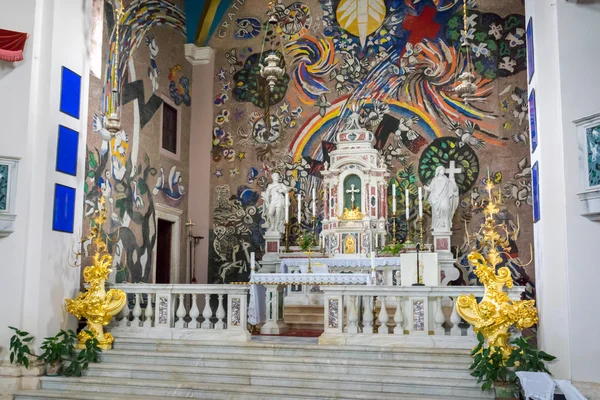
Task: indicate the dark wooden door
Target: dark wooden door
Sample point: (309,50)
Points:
(163,251)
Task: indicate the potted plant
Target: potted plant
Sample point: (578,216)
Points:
(56,349)
(493,369)
(19,347)
(393,248)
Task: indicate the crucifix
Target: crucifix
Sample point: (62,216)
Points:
(352,190)
(452,170)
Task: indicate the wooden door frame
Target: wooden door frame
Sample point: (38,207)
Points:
(172,215)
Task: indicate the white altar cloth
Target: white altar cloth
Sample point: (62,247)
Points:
(341,262)
(256,306)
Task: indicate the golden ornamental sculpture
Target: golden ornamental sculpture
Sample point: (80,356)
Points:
(352,215)
(495,313)
(97,305)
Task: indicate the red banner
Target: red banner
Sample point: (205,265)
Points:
(11,45)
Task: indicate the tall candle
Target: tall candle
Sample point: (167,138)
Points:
(394,198)
(420,202)
(407,207)
(376,241)
(373,273)
(287,208)
(299,209)
(252,261)
(314,202)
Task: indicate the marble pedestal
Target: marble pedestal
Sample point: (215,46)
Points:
(274,324)
(442,246)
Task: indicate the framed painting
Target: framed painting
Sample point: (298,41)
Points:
(532,121)
(535,181)
(588,137)
(530,58)
(8,193)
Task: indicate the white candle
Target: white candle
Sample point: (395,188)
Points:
(407,207)
(376,240)
(299,208)
(287,208)
(373,273)
(252,261)
(394,198)
(314,202)
(373,260)
(420,202)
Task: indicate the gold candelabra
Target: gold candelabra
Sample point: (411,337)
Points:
(97,305)
(421,230)
(495,313)
(394,228)
(287,237)
(408,231)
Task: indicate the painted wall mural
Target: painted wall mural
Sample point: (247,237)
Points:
(127,168)
(399,61)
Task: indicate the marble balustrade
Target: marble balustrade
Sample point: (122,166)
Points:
(179,311)
(413,314)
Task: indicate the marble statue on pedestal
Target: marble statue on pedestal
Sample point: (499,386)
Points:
(274,205)
(444,197)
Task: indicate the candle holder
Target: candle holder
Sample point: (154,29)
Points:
(421,230)
(394,228)
(287,237)
(408,231)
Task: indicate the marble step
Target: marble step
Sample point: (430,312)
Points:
(309,326)
(298,364)
(246,375)
(259,387)
(291,318)
(290,351)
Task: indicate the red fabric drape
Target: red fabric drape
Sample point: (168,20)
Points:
(11,45)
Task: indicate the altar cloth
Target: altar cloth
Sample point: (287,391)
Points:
(340,262)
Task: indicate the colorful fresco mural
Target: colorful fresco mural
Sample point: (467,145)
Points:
(399,60)
(127,168)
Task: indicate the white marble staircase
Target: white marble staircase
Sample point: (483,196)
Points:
(304,317)
(266,368)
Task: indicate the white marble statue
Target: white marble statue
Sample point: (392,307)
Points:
(444,197)
(274,205)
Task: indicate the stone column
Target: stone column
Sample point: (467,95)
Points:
(199,202)
(274,324)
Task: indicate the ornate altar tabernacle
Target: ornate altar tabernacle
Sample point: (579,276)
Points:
(355,193)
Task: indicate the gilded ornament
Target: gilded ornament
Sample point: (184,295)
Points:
(495,313)
(97,305)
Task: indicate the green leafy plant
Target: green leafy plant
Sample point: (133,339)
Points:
(392,248)
(91,353)
(58,348)
(306,240)
(490,367)
(19,347)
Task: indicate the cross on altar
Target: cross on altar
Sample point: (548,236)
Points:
(451,171)
(352,190)
(422,26)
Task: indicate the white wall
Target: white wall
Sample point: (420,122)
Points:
(34,259)
(579,59)
(566,81)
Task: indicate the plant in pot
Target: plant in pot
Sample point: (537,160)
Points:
(56,349)
(19,347)
(492,368)
(392,248)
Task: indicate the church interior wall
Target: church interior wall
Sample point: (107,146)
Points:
(578,30)
(130,171)
(412,69)
(35,258)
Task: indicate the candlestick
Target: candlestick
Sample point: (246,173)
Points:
(299,209)
(287,236)
(252,262)
(314,202)
(420,202)
(421,229)
(287,208)
(373,272)
(394,228)
(376,240)
(406,195)
(394,198)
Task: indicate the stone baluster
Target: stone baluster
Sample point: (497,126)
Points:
(220,324)
(124,315)
(367,315)
(194,313)
(207,313)
(470,331)
(439,318)
(455,320)
(137,312)
(352,316)
(181,312)
(399,317)
(148,313)
(383,318)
